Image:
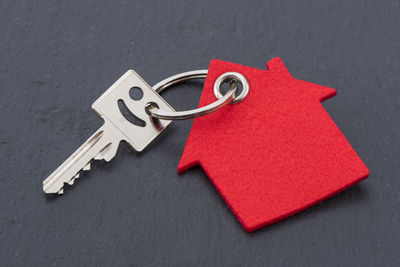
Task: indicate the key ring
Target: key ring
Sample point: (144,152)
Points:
(223,99)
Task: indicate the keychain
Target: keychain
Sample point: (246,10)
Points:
(271,153)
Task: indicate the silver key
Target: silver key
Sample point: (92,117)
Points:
(103,144)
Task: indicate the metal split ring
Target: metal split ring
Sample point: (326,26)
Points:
(223,99)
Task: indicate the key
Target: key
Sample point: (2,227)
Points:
(125,119)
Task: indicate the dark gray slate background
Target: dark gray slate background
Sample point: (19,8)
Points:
(57,57)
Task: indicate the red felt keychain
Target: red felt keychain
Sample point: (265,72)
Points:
(275,153)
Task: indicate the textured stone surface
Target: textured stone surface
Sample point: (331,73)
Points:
(56,58)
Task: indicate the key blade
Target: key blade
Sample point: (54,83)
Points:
(104,138)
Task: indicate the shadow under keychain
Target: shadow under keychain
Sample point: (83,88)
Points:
(273,152)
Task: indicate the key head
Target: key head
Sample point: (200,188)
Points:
(142,129)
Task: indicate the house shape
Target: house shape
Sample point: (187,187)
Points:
(275,153)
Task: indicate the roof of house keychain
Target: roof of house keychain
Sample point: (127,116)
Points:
(273,153)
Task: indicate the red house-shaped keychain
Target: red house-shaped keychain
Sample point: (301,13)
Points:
(275,153)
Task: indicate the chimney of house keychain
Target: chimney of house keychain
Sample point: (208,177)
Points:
(272,152)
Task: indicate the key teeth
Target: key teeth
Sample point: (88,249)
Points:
(87,167)
(72,180)
(103,145)
(98,157)
(106,154)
